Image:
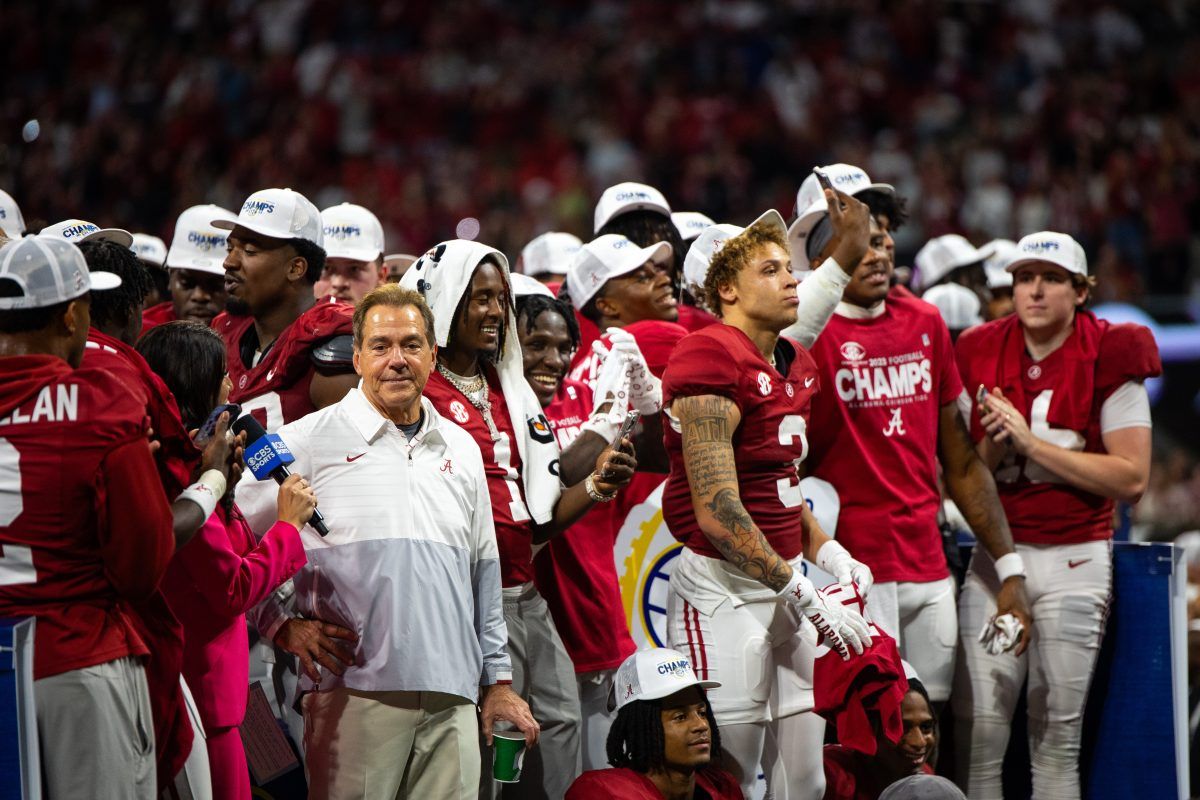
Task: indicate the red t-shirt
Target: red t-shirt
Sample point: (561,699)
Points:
(850,775)
(84,523)
(874,434)
(695,319)
(624,784)
(768,445)
(276,390)
(159,314)
(501,464)
(1061,397)
(576,572)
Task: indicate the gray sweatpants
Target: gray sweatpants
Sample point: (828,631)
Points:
(545,677)
(95,732)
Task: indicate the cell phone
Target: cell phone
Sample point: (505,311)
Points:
(980,398)
(210,425)
(823,179)
(631,419)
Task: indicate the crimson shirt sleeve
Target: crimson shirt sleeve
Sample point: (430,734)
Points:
(700,366)
(136,532)
(232,583)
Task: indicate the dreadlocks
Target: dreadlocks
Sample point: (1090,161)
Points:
(462,305)
(636,739)
(116,307)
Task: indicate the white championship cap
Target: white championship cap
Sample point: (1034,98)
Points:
(149,248)
(607,257)
(549,254)
(810,199)
(690,224)
(998,254)
(78,230)
(523,285)
(351,232)
(1053,248)
(654,674)
(943,255)
(278,213)
(48,271)
(712,239)
(198,244)
(12,224)
(628,196)
(958,305)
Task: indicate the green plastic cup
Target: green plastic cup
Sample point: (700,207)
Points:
(508,749)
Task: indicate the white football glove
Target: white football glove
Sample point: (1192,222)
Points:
(842,627)
(1001,634)
(612,382)
(645,390)
(837,561)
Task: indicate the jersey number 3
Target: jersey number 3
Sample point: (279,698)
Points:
(792,427)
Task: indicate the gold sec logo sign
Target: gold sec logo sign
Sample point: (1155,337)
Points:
(645,553)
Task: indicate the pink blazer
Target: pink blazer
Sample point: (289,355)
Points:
(210,584)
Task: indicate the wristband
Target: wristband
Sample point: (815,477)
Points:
(799,590)
(600,425)
(590,485)
(1010,565)
(206,491)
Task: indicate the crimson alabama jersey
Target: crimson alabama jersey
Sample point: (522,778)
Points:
(501,464)
(874,433)
(65,541)
(276,390)
(768,445)
(575,572)
(1061,397)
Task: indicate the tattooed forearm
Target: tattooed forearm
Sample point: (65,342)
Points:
(707,425)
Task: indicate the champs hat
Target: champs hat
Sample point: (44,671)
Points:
(943,255)
(79,230)
(278,213)
(810,199)
(958,305)
(351,232)
(1053,248)
(654,674)
(47,271)
(690,224)
(607,257)
(628,196)
(998,254)
(12,224)
(198,244)
(549,254)
(149,248)
(523,286)
(713,238)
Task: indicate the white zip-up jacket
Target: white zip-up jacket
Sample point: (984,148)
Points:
(410,562)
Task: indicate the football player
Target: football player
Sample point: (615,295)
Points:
(195,268)
(353,253)
(1065,427)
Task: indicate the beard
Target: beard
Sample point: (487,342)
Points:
(237,307)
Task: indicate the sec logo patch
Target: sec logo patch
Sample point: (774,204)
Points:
(459,412)
(764,384)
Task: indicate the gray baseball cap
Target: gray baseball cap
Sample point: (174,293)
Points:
(47,271)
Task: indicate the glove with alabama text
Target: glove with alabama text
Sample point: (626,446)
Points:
(645,389)
(837,561)
(842,627)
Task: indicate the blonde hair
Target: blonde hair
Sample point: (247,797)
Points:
(734,256)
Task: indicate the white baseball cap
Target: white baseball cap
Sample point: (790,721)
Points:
(48,271)
(12,224)
(198,243)
(351,232)
(523,286)
(607,257)
(628,196)
(958,305)
(654,674)
(278,213)
(998,253)
(810,198)
(1051,247)
(149,248)
(79,230)
(712,239)
(943,255)
(549,254)
(690,224)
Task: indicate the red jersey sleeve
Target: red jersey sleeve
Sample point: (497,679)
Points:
(137,537)
(700,365)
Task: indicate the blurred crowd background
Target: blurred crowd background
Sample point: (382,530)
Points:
(502,119)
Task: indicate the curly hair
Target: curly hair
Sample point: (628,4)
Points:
(733,256)
(532,306)
(892,206)
(116,306)
(636,740)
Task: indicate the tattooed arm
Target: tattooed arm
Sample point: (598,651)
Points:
(708,423)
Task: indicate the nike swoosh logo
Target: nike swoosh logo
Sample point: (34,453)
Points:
(1074,564)
(351,459)
(808,382)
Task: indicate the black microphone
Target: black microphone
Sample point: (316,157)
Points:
(267,457)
